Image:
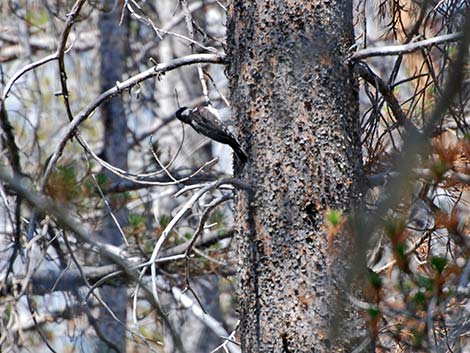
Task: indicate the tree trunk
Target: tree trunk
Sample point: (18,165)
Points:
(295,104)
(112,54)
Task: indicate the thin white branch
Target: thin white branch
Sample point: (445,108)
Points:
(166,232)
(422,173)
(24,70)
(62,216)
(205,318)
(405,48)
(155,71)
(144,179)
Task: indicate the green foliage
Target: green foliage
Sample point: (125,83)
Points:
(439,263)
(62,184)
(7,312)
(102,179)
(417,338)
(425,282)
(401,250)
(136,220)
(431,90)
(451,50)
(375,281)
(439,168)
(90,187)
(374,312)
(219,217)
(68,173)
(334,217)
(222,232)
(163,220)
(148,246)
(216,246)
(37,17)
(420,298)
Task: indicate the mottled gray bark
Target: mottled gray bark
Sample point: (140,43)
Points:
(295,105)
(112,66)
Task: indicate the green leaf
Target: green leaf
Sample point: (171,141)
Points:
(62,184)
(439,263)
(216,246)
(136,220)
(373,312)
(425,282)
(219,218)
(401,250)
(67,172)
(164,220)
(101,179)
(334,217)
(417,338)
(420,297)
(439,167)
(375,280)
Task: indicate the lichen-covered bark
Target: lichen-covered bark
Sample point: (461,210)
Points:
(295,105)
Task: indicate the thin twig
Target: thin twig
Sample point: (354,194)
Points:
(155,71)
(71,17)
(24,70)
(369,76)
(63,218)
(405,48)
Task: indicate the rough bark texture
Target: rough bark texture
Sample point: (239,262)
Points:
(112,66)
(295,104)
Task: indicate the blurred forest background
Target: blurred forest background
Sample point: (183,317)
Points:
(134,250)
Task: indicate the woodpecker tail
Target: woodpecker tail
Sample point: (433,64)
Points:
(239,152)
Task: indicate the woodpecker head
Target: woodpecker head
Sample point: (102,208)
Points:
(183,114)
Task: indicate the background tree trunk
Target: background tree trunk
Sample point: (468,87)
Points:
(112,54)
(196,336)
(295,103)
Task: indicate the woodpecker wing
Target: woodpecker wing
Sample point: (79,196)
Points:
(206,122)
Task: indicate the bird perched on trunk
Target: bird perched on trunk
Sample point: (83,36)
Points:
(205,120)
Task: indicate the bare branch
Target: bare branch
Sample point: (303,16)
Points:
(24,70)
(71,17)
(202,222)
(63,218)
(369,76)
(405,48)
(450,177)
(155,71)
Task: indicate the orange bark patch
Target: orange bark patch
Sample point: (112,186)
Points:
(264,236)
